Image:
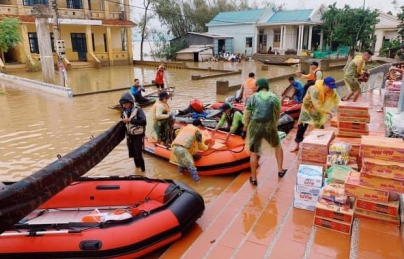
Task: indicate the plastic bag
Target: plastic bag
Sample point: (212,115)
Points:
(338,173)
(334,192)
(340,148)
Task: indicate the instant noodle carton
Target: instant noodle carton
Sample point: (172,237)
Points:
(353,118)
(333,211)
(317,141)
(352,125)
(383,168)
(381,183)
(353,107)
(310,175)
(333,225)
(313,157)
(352,132)
(383,148)
(391,208)
(355,189)
(381,218)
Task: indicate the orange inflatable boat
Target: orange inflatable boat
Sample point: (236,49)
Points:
(221,158)
(112,217)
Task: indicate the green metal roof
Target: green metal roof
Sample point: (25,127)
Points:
(290,16)
(245,16)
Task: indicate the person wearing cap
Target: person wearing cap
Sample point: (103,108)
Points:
(162,120)
(160,78)
(187,143)
(317,107)
(135,122)
(233,118)
(354,73)
(136,90)
(248,87)
(261,116)
(315,74)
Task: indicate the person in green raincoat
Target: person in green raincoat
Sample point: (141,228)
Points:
(317,107)
(261,116)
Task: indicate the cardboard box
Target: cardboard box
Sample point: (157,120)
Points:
(355,189)
(381,183)
(310,175)
(313,157)
(315,191)
(334,121)
(383,168)
(351,163)
(305,205)
(352,125)
(355,144)
(362,106)
(383,219)
(352,132)
(318,140)
(383,148)
(356,118)
(330,210)
(333,225)
(391,208)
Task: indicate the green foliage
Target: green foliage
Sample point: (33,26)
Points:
(348,26)
(389,48)
(400,27)
(181,17)
(164,49)
(9,36)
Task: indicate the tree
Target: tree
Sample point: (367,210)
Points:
(352,27)
(400,27)
(143,25)
(9,36)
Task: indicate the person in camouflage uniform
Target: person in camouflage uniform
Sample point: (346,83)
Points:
(261,116)
(185,145)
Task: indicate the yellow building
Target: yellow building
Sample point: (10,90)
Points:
(94,31)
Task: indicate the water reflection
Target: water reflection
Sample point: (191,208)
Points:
(35,127)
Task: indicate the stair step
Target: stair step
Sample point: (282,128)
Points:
(80,65)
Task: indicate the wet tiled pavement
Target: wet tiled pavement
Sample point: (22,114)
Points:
(260,222)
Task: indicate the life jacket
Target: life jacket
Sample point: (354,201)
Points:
(312,75)
(249,87)
(132,129)
(159,77)
(186,137)
(196,105)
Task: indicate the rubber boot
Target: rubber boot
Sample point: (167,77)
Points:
(194,175)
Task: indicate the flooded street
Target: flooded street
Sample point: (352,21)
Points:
(36,127)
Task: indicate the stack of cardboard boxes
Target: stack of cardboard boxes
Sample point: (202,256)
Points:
(392,93)
(309,180)
(314,148)
(352,119)
(381,178)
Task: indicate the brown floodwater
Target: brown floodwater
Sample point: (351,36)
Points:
(36,127)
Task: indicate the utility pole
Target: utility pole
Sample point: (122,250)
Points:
(59,45)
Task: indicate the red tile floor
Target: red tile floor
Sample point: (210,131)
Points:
(260,222)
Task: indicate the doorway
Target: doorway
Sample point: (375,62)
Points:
(79,45)
(196,56)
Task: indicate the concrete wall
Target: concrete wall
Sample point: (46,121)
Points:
(240,33)
(35,86)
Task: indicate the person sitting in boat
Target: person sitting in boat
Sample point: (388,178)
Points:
(162,120)
(233,118)
(187,143)
(248,88)
(135,122)
(136,91)
(298,89)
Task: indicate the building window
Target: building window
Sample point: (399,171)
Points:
(33,42)
(248,42)
(277,35)
(74,4)
(34,2)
